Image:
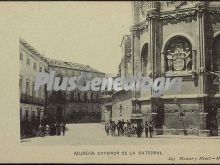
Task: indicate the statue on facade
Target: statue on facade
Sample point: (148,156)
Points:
(179,60)
(188,59)
(179,55)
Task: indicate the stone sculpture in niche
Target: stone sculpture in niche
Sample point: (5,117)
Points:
(179,56)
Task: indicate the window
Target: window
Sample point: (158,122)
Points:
(35,66)
(26,115)
(20,85)
(33,92)
(21,56)
(40,92)
(28,61)
(144,56)
(120,110)
(66,72)
(41,69)
(27,87)
(58,71)
(33,116)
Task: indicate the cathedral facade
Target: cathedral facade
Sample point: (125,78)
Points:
(178,39)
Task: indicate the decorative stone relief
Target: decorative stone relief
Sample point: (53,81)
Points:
(178,17)
(172,108)
(179,55)
(214,15)
(145,5)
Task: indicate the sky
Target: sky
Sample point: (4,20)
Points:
(83,32)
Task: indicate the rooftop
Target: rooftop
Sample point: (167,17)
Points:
(58,63)
(31,49)
(71,65)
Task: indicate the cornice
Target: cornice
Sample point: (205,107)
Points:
(140,26)
(178,16)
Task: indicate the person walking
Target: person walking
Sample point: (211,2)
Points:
(139,129)
(57,125)
(119,127)
(41,131)
(146,128)
(107,128)
(151,129)
(63,127)
(122,127)
(113,128)
(47,130)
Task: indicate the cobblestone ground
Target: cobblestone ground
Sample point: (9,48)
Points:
(94,134)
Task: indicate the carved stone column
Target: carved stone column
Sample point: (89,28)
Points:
(193,60)
(201,48)
(137,58)
(151,50)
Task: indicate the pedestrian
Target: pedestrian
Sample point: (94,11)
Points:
(146,128)
(41,131)
(57,125)
(120,128)
(139,129)
(107,128)
(113,128)
(63,127)
(53,129)
(151,129)
(129,129)
(47,129)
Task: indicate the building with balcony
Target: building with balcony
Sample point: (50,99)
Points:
(73,106)
(44,106)
(31,102)
(178,39)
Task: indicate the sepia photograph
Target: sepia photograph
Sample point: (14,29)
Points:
(144,74)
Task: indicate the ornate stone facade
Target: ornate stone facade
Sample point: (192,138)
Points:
(179,39)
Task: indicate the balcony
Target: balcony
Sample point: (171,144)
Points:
(24,98)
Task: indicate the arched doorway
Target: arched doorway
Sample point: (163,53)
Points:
(178,54)
(144,56)
(216,53)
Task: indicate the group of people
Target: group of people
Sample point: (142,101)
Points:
(42,127)
(52,129)
(135,128)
